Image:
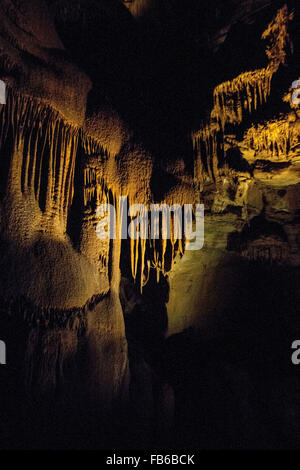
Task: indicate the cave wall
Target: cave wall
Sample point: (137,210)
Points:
(86,121)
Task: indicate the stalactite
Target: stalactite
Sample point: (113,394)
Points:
(205,143)
(148,253)
(95,190)
(38,127)
(278,37)
(92,146)
(49,147)
(273,140)
(244,93)
(273,253)
(143,255)
(250,89)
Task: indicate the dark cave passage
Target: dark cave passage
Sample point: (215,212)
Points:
(224,385)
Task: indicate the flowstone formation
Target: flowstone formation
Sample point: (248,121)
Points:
(83,125)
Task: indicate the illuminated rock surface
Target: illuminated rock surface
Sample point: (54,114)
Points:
(161,103)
